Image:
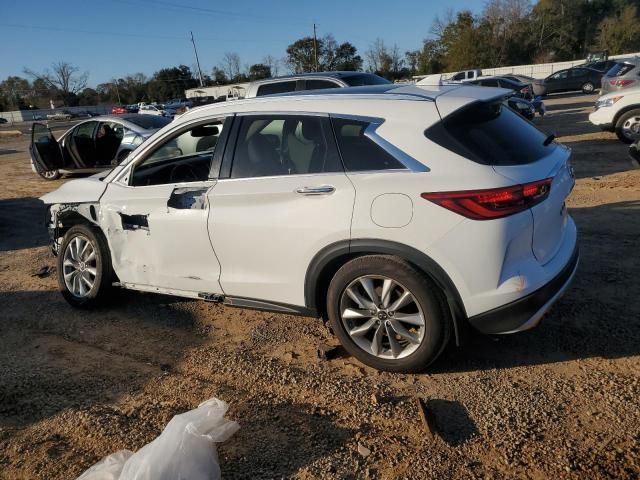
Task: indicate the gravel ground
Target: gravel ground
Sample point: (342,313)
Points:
(560,401)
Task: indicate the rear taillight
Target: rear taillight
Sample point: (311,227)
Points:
(494,202)
(621,83)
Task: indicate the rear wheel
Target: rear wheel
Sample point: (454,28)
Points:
(628,126)
(388,314)
(588,87)
(49,174)
(84,267)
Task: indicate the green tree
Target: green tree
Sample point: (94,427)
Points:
(170,83)
(301,55)
(620,32)
(259,71)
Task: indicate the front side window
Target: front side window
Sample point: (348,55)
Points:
(560,75)
(270,145)
(185,157)
(276,88)
(359,152)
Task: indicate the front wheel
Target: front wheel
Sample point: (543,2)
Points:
(49,174)
(628,126)
(588,88)
(85,274)
(388,314)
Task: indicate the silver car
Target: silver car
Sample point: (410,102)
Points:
(624,74)
(90,146)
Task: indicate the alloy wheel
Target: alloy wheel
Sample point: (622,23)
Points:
(80,266)
(382,317)
(631,128)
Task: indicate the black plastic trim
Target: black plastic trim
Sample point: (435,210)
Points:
(268,306)
(514,315)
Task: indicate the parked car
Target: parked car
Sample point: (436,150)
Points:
(119,109)
(520,90)
(3,120)
(177,103)
(571,79)
(625,74)
(157,110)
(522,106)
(466,75)
(90,146)
(355,204)
(312,81)
(537,84)
(619,112)
(601,66)
(59,116)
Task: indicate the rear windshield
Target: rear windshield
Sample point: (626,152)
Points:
(150,122)
(365,79)
(620,69)
(491,134)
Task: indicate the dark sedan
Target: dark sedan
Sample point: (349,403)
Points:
(572,79)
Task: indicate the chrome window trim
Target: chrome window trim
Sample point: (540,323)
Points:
(370,132)
(279,114)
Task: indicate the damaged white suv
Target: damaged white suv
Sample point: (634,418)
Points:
(400,213)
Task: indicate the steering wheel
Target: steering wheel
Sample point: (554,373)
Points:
(183,173)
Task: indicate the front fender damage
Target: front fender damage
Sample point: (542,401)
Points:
(62,216)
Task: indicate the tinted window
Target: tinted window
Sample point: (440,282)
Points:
(277,87)
(149,122)
(578,72)
(364,79)
(360,153)
(319,84)
(492,82)
(560,75)
(458,76)
(85,130)
(287,145)
(620,69)
(491,134)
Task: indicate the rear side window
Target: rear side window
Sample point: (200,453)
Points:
(284,145)
(362,79)
(274,88)
(319,84)
(359,152)
(491,134)
(620,69)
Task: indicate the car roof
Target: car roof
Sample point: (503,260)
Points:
(450,97)
(333,74)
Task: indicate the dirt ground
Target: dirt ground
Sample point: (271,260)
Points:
(560,401)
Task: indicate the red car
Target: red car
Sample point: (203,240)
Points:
(118,109)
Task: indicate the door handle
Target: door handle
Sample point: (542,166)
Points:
(321,190)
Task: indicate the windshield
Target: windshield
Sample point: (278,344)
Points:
(365,79)
(149,122)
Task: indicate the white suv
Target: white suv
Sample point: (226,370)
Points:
(400,213)
(619,112)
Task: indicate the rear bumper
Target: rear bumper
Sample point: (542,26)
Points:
(526,312)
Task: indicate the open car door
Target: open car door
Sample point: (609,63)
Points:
(45,150)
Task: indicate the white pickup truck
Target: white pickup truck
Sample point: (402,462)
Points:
(466,75)
(59,116)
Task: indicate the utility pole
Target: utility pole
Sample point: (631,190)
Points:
(197,60)
(315,47)
(117,92)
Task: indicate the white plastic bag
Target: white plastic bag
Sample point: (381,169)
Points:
(184,450)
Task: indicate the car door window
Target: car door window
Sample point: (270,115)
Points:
(320,84)
(185,157)
(275,88)
(578,73)
(284,145)
(108,138)
(560,76)
(359,152)
(83,143)
(458,76)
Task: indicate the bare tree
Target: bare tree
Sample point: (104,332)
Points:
(231,65)
(377,56)
(62,76)
(273,63)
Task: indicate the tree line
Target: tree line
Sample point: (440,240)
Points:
(505,32)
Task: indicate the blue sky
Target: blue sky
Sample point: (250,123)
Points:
(111,38)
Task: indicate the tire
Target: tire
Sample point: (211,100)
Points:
(588,88)
(98,269)
(427,305)
(49,174)
(628,126)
